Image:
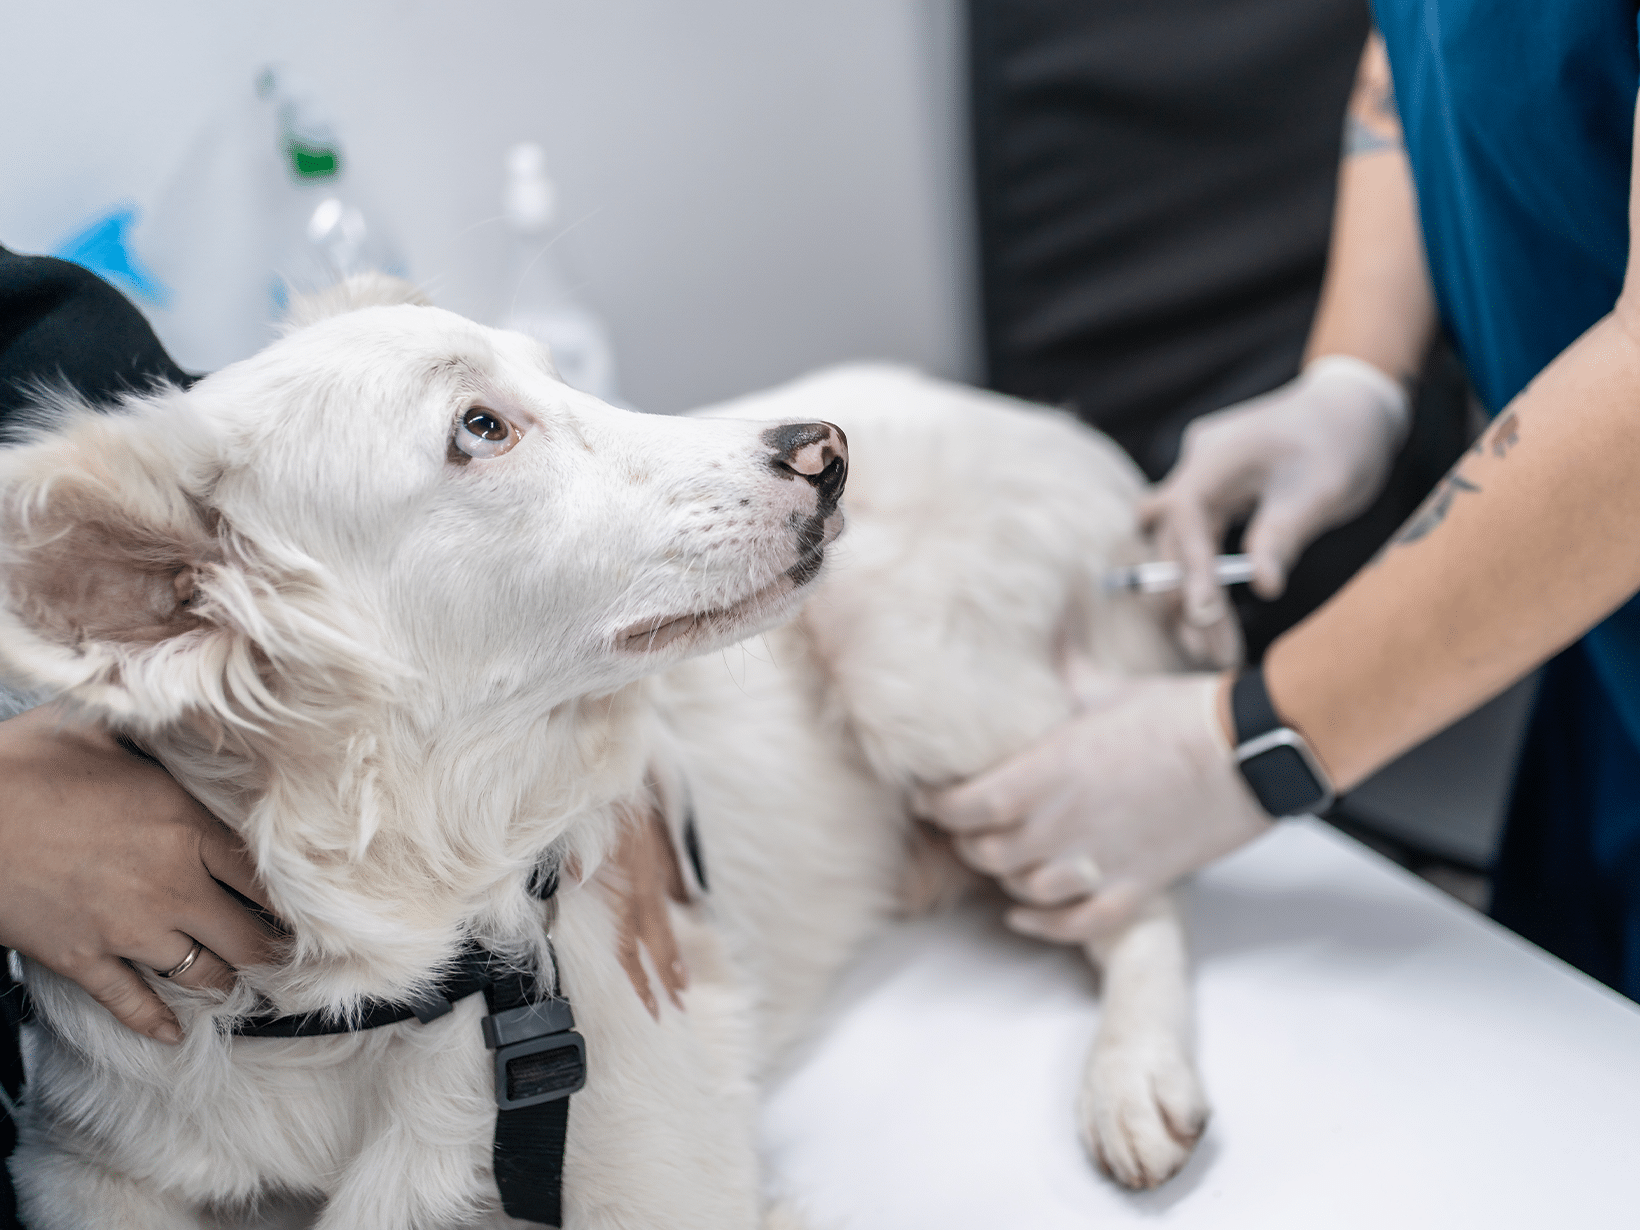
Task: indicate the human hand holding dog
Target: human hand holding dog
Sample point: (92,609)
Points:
(1108,809)
(105,859)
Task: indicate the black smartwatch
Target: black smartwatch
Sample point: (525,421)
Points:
(1280,769)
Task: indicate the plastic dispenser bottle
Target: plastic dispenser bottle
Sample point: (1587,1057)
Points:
(325,232)
(261,205)
(539,301)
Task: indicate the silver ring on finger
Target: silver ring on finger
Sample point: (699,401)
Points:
(184,965)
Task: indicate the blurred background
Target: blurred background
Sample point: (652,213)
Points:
(1118,207)
(746,190)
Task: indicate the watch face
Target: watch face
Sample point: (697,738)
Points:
(1283,781)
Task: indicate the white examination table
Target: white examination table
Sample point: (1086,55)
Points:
(1377,1056)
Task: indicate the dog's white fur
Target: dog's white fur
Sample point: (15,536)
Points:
(404,679)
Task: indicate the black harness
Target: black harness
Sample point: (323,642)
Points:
(539,1061)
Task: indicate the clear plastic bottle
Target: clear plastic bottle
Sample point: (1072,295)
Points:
(540,301)
(261,205)
(326,233)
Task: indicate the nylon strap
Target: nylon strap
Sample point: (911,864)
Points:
(529,1144)
(1251,712)
(529,1141)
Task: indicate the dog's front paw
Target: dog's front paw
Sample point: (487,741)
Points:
(1142,1111)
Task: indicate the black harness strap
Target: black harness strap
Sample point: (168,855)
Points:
(539,1061)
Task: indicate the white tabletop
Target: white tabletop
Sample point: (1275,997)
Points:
(1377,1056)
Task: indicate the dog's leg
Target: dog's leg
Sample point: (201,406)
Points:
(401,1180)
(1142,1106)
(57,1190)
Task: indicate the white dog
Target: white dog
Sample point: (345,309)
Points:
(424,625)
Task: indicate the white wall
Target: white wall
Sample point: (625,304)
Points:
(751,187)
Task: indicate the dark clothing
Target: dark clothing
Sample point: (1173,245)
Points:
(1519,125)
(1155,186)
(61,326)
(1568,876)
(1156,180)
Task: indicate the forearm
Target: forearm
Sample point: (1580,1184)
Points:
(1529,542)
(1376,301)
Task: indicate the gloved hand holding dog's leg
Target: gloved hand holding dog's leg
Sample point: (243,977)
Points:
(1108,809)
(105,860)
(1302,459)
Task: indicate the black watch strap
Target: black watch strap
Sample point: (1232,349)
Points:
(1277,764)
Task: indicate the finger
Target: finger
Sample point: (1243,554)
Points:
(167,951)
(919,802)
(999,854)
(1153,507)
(118,987)
(1222,645)
(208,970)
(1081,921)
(205,970)
(1278,532)
(226,858)
(1094,688)
(994,800)
(1056,883)
(1216,647)
(1193,540)
(227,928)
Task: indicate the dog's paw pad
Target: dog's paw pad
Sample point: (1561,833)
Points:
(1141,1115)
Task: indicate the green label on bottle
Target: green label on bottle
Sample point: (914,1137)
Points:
(312,161)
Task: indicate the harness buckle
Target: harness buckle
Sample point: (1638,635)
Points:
(538,1055)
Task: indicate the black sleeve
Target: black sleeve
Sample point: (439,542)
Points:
(62,324)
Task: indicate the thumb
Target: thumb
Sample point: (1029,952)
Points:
(117,987)
(1188,533)
(1276,536)
(1001,796)
(1194,545)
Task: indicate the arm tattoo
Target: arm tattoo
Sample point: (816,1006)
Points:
(1360,139)
(1504,436)
(1434,509)
(1371,122)
(1383,104)
(1499,440)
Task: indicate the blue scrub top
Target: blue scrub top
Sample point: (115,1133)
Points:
(1519,122)
(1519,125)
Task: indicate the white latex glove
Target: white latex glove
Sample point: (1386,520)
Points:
(1107,810)
(1302,459)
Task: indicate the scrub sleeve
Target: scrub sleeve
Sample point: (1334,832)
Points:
(1518,117)
(61,326)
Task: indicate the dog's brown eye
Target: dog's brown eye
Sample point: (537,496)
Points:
(484,433)
(481,422)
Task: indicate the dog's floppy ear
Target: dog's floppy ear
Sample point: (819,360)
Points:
(362,290)
(122,587)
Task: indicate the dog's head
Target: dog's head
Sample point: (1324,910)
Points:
(390,565)
(395,491)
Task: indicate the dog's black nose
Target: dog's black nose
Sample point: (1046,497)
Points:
(814,452)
